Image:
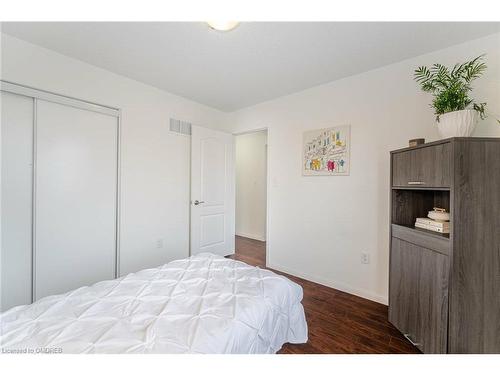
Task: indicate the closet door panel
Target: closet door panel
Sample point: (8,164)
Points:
(75,208)
(16,199)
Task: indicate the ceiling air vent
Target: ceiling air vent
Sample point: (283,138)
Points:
(181,127)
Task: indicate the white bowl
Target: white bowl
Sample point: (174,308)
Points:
(440,216)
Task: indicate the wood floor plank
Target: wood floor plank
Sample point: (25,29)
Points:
(338,322)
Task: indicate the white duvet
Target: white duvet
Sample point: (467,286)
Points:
(203,304)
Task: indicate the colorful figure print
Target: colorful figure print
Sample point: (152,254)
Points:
(331,165)
(316,165)
(326,151)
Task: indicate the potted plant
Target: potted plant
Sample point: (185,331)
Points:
(456,113)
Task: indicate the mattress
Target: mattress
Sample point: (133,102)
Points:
(202,304)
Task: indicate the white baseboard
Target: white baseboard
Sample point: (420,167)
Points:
(332,284)
(251,236)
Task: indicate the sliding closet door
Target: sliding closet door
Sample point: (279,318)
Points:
(16,199)
(75,200)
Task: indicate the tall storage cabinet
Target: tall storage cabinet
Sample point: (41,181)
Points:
(444,289)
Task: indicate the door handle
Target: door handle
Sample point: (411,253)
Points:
(197,202)
(416,183)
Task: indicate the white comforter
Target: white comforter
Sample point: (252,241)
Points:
(203,304)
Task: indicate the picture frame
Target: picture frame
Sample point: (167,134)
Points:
(326,152)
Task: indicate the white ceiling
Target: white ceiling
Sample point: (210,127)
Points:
(253,63)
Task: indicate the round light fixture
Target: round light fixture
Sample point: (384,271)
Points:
(223,25)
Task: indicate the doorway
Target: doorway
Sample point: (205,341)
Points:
(251,197)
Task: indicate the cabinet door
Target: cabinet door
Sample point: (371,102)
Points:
(418,295)
(422,167)
(403,288)
(432,312)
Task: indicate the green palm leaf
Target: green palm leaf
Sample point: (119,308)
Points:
(450,88)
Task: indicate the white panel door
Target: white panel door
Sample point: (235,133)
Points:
(16,201)
(212,191)
(75,200)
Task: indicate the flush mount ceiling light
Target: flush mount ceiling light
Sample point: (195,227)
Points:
(223,25)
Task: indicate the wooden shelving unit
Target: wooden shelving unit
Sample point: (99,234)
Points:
(444,288)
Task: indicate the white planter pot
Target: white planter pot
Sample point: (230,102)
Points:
(457,123)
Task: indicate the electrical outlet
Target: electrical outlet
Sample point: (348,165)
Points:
(159,243)
(365,258)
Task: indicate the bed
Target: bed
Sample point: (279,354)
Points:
(202,304)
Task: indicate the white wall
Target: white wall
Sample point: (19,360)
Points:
(155,162)
(318,226)
(251,179)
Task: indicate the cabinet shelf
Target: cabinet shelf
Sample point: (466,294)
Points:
(439,242)
(420,188)
(426,232)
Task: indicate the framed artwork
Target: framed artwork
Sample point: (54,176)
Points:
(326,152)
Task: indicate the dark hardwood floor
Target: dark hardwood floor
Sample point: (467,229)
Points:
(338,322)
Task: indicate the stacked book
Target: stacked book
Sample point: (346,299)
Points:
(434,225)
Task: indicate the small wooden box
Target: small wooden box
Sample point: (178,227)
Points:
(416,142)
